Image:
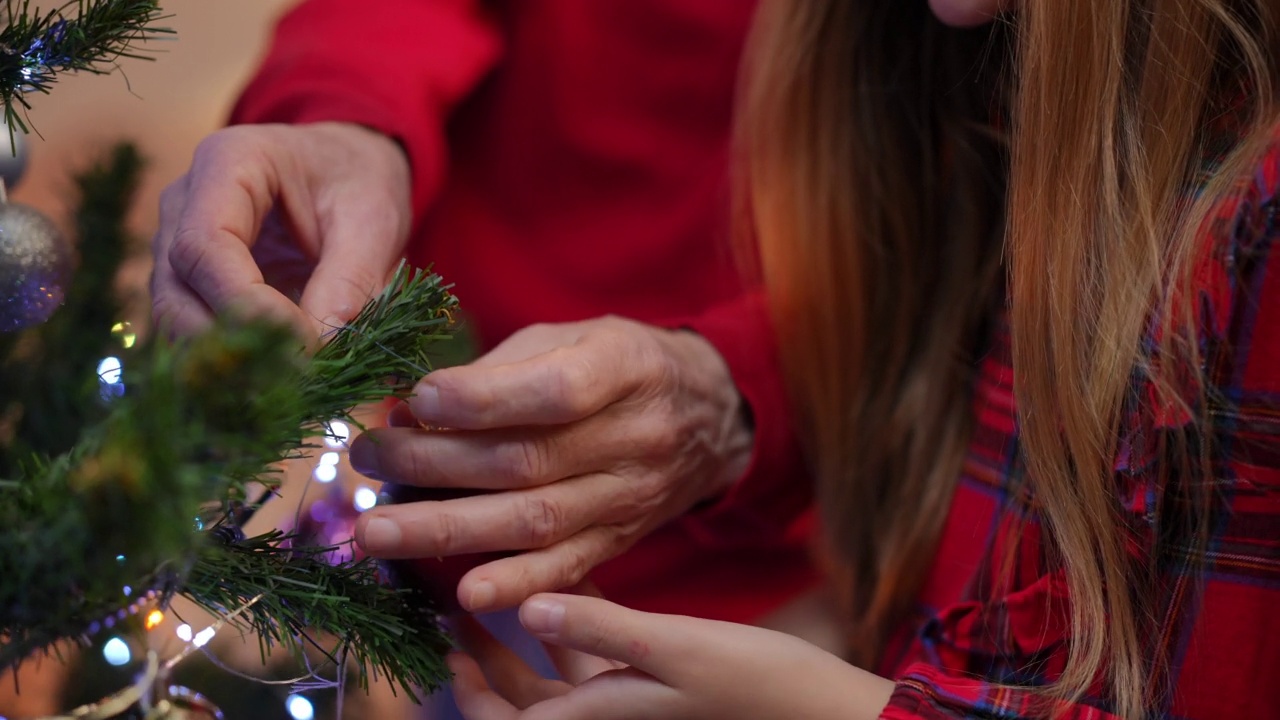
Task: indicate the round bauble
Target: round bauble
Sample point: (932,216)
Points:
(35,265)
(435,577)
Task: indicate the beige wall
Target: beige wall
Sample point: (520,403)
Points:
(177,99)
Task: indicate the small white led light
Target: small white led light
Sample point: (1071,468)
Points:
(365,498)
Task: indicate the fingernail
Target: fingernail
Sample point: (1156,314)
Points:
(542,617)
(364,458)
(425,402)
(482,596)
(380,535)
(332,324)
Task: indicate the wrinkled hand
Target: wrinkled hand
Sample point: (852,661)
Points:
(623,664)
(594,433)
(265,207)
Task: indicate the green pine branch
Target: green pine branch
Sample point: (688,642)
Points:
(199,421)
(37,46)
(104,498)
(301,597)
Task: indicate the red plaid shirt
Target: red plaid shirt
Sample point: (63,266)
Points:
(971,637)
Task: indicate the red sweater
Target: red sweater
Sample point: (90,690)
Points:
(569,160)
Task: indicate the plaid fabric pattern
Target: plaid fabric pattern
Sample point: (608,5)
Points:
(977,633)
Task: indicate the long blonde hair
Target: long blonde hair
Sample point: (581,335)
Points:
(904,179)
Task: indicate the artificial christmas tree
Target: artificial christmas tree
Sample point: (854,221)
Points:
(129,466)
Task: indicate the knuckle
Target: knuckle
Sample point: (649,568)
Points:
(242,155)
(544,521)
(610,335)
(187,252)
(534,330)
(656,364)
(598,633)
(412,464)
(658,436)
(524,462)
(642,499)
(214,146)
(443,535)
(225,141)
(578,562)
(571,383)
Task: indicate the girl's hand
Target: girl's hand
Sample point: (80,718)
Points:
(620,663)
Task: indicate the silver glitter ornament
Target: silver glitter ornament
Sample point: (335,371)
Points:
(35,266)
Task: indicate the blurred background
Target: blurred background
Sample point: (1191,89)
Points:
(166,107)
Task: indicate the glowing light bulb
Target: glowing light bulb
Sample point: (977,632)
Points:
(325,473)
(116,652)
(110,370)
(365,498)
(336,434)
(124,332)
(299,707)
(154,618)
(183,632)
(203,637)
(329,458)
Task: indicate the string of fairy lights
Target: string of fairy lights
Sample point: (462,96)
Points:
(331,522)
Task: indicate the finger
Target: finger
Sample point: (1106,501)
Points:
(577,667)
(363,215)
(360,246)
(508,458)
(401,416)
(475,699)
(533,340)
(661,645)
(574,666)
(506,582)
(231,187)
(505,672)
(615,695)
(515,520)
(174,308)
(558,386)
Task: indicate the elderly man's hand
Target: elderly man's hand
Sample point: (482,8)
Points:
(591,434)
(267,210)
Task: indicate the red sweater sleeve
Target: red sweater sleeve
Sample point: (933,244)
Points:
(396,66)
(773,494)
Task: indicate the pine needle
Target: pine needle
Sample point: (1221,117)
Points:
(36,46)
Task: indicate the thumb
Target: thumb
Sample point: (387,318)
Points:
(660,645)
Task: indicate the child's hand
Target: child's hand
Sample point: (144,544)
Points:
(620,663)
